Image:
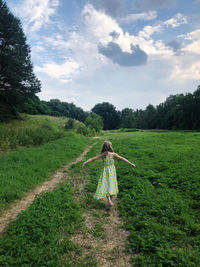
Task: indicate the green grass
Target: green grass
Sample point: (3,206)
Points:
(41,235)
(97,230)
(23,169)
(30,130)
(159,199)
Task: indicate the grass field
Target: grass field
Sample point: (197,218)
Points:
(159,202)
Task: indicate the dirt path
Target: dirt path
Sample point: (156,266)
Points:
(102,236)
(19,205)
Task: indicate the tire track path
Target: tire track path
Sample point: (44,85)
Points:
(19,205)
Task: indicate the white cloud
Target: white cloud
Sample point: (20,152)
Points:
(36,13)
(82,44)
(194,35)
(154,48)
(148,30)
(71,68)
(187,67)
(176,21)
(182,73)
(194,38)
(139,16)
(64,72)
(99,25)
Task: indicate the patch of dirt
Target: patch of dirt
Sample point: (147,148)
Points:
(19,205)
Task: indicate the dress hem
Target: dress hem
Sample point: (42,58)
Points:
(106,196)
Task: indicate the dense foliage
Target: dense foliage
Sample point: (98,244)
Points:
(94,121)
(176,112)
(110,115)
(54,107)
(17,80)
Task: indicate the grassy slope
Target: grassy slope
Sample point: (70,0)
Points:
(30,130)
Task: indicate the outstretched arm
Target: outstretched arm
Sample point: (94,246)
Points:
(124,159)
(91,159)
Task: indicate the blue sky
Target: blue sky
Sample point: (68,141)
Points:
(130,53)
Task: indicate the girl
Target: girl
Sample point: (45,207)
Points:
(107,184)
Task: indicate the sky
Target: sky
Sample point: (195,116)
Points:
(130,53)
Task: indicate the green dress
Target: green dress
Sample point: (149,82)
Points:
(107,184)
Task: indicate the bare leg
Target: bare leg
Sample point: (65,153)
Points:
(109,198)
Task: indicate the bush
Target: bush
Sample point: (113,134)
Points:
(94,121)
(70,124)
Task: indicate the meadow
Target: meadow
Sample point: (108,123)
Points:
(158,201)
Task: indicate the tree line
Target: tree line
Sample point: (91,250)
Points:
(176,112)
(19,86)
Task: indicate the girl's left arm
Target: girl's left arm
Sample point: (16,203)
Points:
(124,159)
(91,159)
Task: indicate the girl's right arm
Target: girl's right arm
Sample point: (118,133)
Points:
(124,159)
(92,159)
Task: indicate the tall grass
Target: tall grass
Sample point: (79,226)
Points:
(30,130)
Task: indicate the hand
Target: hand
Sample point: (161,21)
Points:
(133,165)
(82,167)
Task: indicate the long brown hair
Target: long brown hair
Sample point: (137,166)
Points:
(107,147)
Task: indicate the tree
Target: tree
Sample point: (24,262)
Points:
(150,116)
(128,118)
(196,97)
(110,115)
(34,106)
(176,112)
(59,108)
(17,80)
(94,121)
